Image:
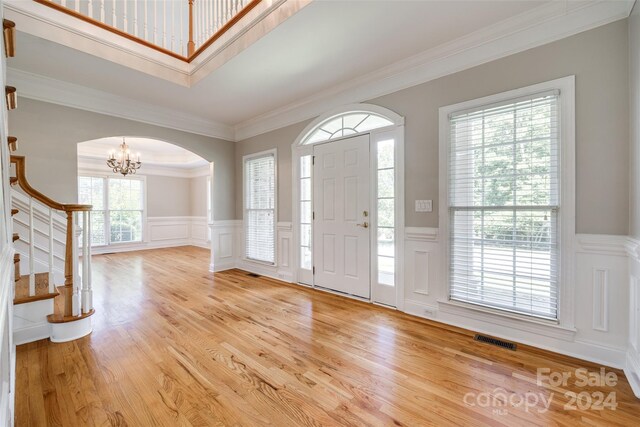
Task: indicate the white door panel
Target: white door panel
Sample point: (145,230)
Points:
(342,194)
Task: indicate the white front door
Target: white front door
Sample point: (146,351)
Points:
(341,225)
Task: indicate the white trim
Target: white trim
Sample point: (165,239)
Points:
(547,23)
(46,89)
(632,372)
(397,119)
(507,320)
(421,234)
(566,220)
(31,334)
(69,331)
(397,130)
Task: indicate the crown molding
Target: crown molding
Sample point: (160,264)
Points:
(41,88)
(545,24)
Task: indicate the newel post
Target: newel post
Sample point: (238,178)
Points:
(191,46)
(68,266)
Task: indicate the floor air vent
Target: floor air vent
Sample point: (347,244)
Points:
(494,341)
(253,275)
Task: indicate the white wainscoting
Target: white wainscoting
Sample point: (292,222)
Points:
(165,232)
(632,366)
(225,249)
(600,318)
(228,249)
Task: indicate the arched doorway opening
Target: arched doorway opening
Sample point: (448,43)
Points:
(167,202)
(348,203)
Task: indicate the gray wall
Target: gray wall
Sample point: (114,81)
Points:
(48,135)
(634,114)
(198,196)
(168,196)
(599,60)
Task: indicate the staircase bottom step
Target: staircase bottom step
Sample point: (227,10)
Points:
(69,328)
(59,318)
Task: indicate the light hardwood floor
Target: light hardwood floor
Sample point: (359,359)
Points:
(175,345)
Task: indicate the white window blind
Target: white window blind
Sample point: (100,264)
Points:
(503,205)
(260,200)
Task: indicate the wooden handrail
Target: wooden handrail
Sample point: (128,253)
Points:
(192,53)
(21,174)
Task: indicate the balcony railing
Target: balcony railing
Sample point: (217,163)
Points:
(180,28)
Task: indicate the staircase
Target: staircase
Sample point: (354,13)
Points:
(56,241)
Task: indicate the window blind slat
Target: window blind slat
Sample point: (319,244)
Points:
(503,205)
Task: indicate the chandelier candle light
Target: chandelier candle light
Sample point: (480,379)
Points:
(123,163)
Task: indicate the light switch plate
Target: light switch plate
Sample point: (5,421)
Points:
(424,205)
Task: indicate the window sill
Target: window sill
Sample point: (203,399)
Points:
(508,320)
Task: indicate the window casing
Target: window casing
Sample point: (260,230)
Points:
(118,208)
(504,205)
(260,207)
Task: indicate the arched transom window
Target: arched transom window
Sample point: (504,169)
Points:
(344,125)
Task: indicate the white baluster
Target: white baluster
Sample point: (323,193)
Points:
(207,19)
(173,25)
(114,23)
(164,24)
(182,43)
(63,3)
(90,9)
(86,262)
(102,18)
(32,245)
(51,249)
(146,19)
(155,20)
(125,21)
(135,18)
(77,5)
(75,306)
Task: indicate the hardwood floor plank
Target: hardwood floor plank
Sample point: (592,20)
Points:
(175,345)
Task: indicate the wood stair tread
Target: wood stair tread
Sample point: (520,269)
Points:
(59,318)
(14,211)
(42,286)
(24,300)
(13,143)
(15,237)
(13,180)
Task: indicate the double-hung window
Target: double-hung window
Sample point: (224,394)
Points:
(118,208)
(260,207)
(503,205)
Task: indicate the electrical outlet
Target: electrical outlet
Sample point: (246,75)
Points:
(424,205)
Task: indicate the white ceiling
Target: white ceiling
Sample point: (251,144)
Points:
(323,45)
(151,152)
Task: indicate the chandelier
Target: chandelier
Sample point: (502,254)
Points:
(123,163)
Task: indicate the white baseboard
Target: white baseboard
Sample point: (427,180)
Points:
(31,334)
(632,372)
